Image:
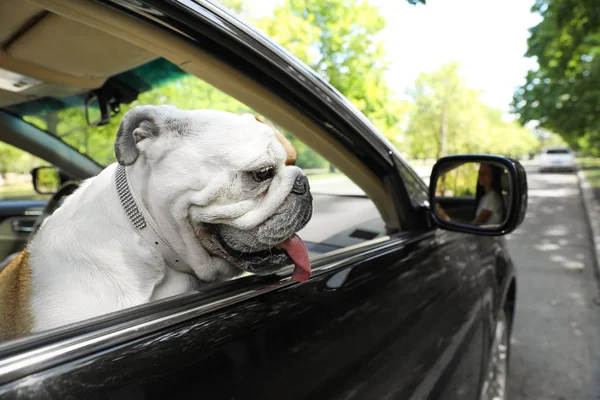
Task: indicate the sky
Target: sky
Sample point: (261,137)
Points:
(488,39)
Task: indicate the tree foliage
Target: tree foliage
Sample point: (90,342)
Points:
(338,39)
(563,94)
(187,92)
(13,159)
(447,117)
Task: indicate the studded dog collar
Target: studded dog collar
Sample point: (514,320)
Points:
(143,222)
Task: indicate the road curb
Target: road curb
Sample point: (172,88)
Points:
(592,209)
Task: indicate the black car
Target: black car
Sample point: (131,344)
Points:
(411,296)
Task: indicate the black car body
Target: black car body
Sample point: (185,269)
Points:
(410,315)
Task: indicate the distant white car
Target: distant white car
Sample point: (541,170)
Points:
(557,158)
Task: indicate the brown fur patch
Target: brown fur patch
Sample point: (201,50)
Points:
(15,295)
(292,155)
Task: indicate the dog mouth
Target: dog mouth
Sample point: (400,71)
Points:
(292,250)
(296,250)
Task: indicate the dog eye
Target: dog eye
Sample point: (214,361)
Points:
(263,174)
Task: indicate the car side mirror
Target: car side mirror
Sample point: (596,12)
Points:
(46,180)
(479,194)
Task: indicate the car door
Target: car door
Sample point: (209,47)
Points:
(394,317)
(466,253)
(17,217)
(391,320)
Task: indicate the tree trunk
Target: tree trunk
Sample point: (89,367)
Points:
(444,132)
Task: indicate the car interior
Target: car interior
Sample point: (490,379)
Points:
(54,53)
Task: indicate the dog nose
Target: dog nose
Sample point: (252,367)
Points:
(301,185)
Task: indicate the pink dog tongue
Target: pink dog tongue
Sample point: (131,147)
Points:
(296,249)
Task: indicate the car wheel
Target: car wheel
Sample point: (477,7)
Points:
(494,385)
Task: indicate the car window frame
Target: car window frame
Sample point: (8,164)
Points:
(415,186)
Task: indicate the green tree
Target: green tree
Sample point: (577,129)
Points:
(449,118)
(346,52)
(445,115)
(187,92)
(337,38)
(16,160)
(563,93)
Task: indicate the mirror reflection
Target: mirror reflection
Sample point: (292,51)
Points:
(473,193)
(46,180)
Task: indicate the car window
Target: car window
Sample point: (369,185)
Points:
(15,174)
(343,215)
(557,151)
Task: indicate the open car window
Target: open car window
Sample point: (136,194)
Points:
(343,215)
(15,174)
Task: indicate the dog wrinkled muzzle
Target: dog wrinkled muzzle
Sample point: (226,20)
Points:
(272,244)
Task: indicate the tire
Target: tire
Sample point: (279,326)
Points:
(496,374)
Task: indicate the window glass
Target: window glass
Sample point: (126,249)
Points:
(342,215)
(557,151)
(15,173)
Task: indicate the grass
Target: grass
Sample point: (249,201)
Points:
(588,162)
(593,177)
(20,191)
(591,170)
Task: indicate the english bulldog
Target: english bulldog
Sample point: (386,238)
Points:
(196,196)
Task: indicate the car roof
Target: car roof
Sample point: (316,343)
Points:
(48,54)
(127,85)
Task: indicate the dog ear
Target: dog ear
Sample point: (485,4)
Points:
(139,123)
(292,154)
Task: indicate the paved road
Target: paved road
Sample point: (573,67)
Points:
(556,337)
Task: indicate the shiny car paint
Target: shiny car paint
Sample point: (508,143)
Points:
(403,318)
(406,316)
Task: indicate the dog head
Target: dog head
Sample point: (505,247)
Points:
(228,179)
